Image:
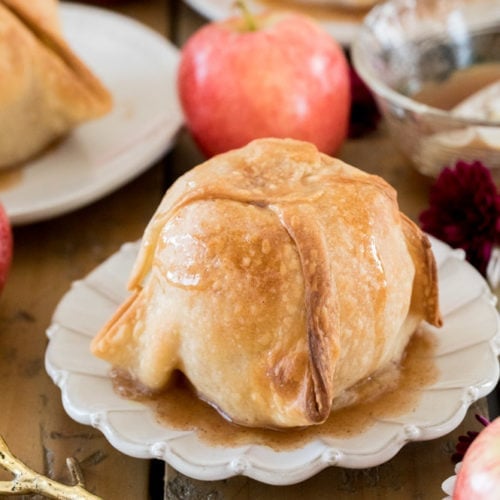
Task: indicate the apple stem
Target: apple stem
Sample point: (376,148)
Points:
(249,18)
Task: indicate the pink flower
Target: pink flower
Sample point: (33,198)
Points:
(464,211)
(464,441)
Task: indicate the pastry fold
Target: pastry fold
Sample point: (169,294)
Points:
(275,278)
(45,89)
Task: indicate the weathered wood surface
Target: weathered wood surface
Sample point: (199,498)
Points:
(50,255)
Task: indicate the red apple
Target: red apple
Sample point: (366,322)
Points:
(479,475)
(5,246)
(272,75)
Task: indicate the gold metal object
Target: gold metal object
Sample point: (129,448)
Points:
(26,480)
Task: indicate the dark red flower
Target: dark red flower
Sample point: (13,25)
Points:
(465,441)
(365,114)
(464,211)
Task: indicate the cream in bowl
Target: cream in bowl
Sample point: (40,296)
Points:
(434,69)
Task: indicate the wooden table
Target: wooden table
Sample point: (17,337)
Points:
(50,255)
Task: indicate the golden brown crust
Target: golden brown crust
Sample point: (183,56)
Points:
(46,89)
(97,100)
(426,288)
(321,309)
(275,278)
(41,12)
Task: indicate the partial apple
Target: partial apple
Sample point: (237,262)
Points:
(5,246)
(479,474)
(271,75)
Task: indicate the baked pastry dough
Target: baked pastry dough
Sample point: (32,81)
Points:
(275,278)
(45,90)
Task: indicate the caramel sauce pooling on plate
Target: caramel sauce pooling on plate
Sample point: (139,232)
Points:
(394,392)
(10,178)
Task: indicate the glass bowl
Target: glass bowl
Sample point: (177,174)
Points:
(428,63)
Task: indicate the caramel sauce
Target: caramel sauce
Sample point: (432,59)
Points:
(460,85)
(319,11)
(13,175)
(10,178)
(392,393)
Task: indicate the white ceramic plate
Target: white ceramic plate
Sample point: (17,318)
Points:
(139,68)
(342,30)
(466,357)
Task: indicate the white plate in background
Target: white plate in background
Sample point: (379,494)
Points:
(343,29)
(139,67)
(466,357)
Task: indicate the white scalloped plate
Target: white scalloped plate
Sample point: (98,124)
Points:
(466,356)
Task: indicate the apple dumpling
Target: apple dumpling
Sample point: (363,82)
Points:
(274,278)
(45,90)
